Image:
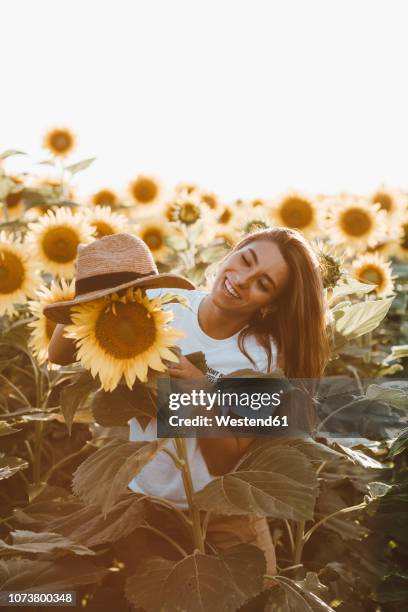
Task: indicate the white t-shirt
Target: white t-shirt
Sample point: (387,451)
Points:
(160,477)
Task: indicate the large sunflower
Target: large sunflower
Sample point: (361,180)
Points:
(154,231)
(55,239)
(145,190)
(372,268)
(355,222)
(105,197)
(297,211)
(59,141)
(43,328)
(18,276)
(105,222)
(123,336)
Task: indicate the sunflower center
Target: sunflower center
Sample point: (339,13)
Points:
(330,270)
(189,213)
(102,228)
(14,199)
(404,239)
(127,334)
(225,216)
(153,238)
(11,272)
(296,212)
(60,244)
(370,274)
(355,222)
(144,190)
(60,141)
(49,328)
(105,196)
(384,200)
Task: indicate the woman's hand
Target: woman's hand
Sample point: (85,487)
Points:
(61,350)
(185,369)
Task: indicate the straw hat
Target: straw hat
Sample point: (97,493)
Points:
(108,265)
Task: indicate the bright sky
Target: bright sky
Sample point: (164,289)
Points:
(246,97)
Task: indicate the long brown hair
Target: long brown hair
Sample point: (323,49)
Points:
(298,322)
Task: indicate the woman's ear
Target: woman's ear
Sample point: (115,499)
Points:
(267,311)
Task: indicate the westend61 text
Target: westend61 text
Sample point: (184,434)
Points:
(206,400)
(228,421)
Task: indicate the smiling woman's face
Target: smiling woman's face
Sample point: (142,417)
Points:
(250,279)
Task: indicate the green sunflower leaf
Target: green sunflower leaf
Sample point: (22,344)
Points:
(362,318)
(104,476)
(82,165)
(275,481)
(198,582)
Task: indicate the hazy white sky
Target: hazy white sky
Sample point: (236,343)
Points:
(247,97)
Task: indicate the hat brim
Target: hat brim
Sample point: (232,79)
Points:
(60,312)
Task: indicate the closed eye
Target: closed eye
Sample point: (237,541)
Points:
(261,284)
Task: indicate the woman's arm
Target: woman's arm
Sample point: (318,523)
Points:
(222,454)
(61,350)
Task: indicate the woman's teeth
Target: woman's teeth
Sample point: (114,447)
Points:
(230,289)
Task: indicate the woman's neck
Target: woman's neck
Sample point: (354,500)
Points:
(215,322)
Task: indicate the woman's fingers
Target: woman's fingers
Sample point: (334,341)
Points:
(178,369)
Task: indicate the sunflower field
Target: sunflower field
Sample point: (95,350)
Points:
(68,520)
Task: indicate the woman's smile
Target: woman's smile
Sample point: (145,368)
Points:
(230,290)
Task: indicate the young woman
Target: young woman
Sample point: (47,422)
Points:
(265,310)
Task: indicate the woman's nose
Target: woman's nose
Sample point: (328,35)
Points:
(242,279)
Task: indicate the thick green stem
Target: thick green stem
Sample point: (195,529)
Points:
(189,489)
(300,530)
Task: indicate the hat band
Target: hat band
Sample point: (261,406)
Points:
(106,281)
